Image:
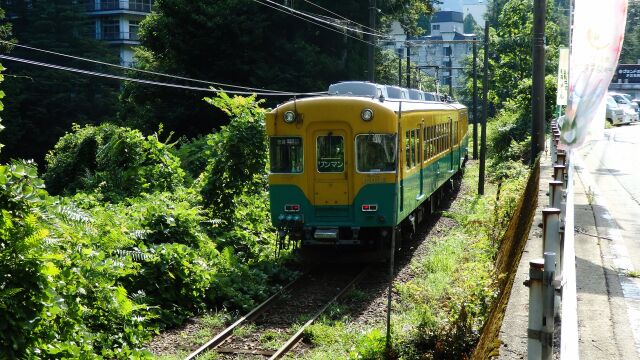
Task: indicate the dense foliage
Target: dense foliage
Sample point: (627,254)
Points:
(259,47)
(115,162)
(510,66)
(134,250)
(43,103)
(630,53)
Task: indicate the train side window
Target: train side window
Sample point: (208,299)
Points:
(407,147)
(430,146)
(285,155)
(330,154)
(438,139)
(455,132)
(425,143)
(413,148)
(376,153)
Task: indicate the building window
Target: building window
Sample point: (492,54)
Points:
(109,5)
(140,5)
(110,29)
(134,25)
(446,51)
(435,27)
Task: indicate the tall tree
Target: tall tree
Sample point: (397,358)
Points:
(630,53)
(469,24)
(42,104)
(242,42)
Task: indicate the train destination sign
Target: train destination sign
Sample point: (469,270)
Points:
(627,73)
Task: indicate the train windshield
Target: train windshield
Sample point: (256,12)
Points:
(376,153)
(330,153)
(286,155)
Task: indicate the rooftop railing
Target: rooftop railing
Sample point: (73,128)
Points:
(110,5)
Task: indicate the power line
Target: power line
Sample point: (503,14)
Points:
(314,17)
(139,70)
(339,23)
(312,22)
(149,82)
(344,18)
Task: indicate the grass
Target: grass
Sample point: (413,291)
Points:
(633,274)
(244,330)
(211,355)
(271,339)
(442,309)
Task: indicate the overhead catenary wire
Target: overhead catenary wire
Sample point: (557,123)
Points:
(309,20)
(140,70)
(150,82)
(314,18)
(344,18)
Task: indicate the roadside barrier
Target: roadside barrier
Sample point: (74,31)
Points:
(552,280)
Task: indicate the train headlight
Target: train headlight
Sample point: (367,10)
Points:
(366,114)
(289,117)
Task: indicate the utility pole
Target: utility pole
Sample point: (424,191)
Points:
(450,74)
(408,66)
(475,100)
(400,51)
(485,105)
(372,41)
(537,98)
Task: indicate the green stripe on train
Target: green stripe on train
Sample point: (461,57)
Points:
(345,215)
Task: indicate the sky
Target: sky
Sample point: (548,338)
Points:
(451,5)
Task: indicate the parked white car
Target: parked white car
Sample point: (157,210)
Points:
(615,113)
(630,108)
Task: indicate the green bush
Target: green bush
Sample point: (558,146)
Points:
(238,162)
(113,161)
(59,293)
(194,154)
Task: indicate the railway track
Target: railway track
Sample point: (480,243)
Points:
(276,326)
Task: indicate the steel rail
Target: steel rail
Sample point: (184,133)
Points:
(222,336)
(298,335)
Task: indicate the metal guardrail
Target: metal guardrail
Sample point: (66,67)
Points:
(552,279)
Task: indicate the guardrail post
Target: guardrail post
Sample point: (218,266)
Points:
(551,244)
(548,295)
(555,194)
(534,331)
(558,172)
(561,157)
(551,226)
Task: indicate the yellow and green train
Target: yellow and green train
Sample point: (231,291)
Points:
(349,168)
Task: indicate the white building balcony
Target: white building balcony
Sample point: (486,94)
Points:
(111,7)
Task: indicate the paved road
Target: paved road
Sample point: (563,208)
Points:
(609,170)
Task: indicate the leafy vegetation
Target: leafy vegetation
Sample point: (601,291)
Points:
(114,162)
(441,311)
(132,248)
(44,103)
(510,63)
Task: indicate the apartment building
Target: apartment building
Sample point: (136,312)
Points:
(117,22)
(442,52)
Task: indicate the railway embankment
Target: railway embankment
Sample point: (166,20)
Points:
(448,287)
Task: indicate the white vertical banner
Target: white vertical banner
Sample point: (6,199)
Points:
(563,77)
(598,32)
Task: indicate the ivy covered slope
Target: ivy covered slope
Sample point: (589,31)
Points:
(130,243)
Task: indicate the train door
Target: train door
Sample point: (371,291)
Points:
(331,154)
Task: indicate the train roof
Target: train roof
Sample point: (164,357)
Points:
(394,105)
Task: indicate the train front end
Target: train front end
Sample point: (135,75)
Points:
(333,171)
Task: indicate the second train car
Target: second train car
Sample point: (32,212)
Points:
(349,168)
